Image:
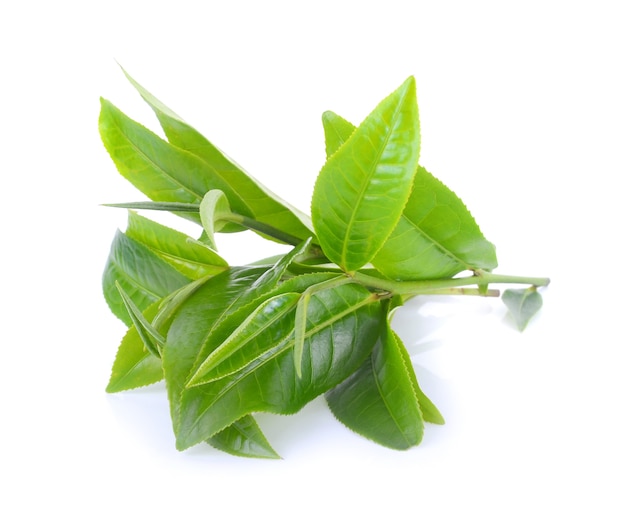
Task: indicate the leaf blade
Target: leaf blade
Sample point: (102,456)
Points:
(189,257)
(361,190)
(345,320)
(265,206)
(379,400)
(523,304)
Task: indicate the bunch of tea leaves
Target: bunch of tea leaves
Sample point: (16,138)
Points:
(231,341)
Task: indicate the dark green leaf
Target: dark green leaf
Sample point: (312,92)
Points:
(244,438)
(379,400)
(361,191)
(523,304)
(344,324)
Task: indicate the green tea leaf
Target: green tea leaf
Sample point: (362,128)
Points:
(264,206)
(196,317)
(436,236)
(143,275)
(361,191)
(150,337)
(336,131)
(186,255)
(523,304)
(244,438)
(213,209)
(158,169)
(134,366)
(379,400)
(344,323)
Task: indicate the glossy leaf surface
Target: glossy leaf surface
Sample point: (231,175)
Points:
(523,304)
(244,438)
(263,205)
(160,170)
(435,237)
(143,275)
(344,324)
(186,255)
(361,191)
(379,400)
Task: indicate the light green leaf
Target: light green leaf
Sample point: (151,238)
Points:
(214,207)
(336,131)
(436,236)
(244,438)
(186,255)
(150,337)
(141,273)
(343,326)
(361,191)
(134,366)
(160,170)
(379,400)
(523,304)
(264,206)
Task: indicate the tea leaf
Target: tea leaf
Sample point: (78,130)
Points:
(344,323)
(263,205)
(523,304)
(186,255)
(143,275)
(435,237)
(134,366)
(361,190)
(243,438)
(379,400)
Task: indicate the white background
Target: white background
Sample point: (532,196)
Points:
(522,111)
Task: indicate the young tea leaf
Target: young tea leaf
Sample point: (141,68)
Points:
(363,187)
(244,438)
(150,337)
(214,207)
(186,255)
(435,237)
(143,275)
(135,366)
(263,205)
(523,304)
